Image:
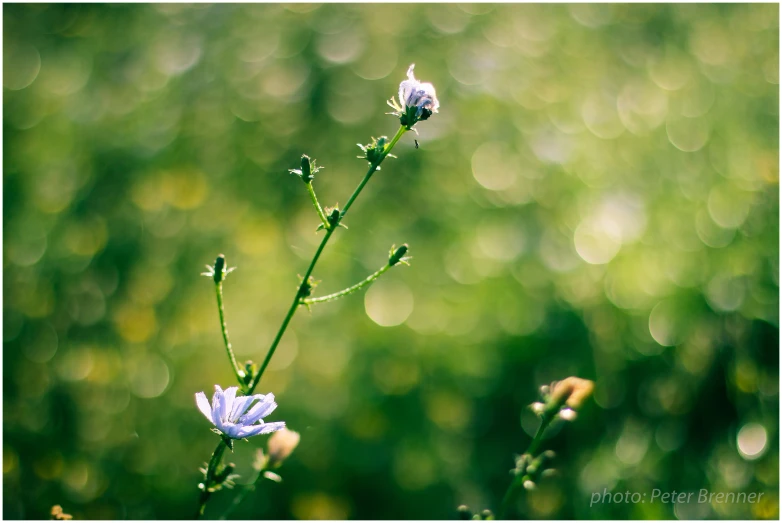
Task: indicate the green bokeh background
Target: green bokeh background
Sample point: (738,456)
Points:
(597,197)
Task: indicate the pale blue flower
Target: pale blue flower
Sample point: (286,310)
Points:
(239,417)
(420,95)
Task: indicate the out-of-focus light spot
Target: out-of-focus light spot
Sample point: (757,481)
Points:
(49,466)
(597,241)
(87,237)
(284,81)
(388,303)
(75,364)
(591,15)
(494,166)
(688,134)
(601,117)
(135,324)
(43,344)
(642,107)
(319,506)
(519,316)
(378,62)
(26,243)
(176,53)
(350,107)
(395,377)
(557,251)
(340,48)
(414,469)
(712,234)
(465,67)
(710,43)
(21,65)
(149,375)
(696,99)
(691,509)
(500,239)
(10,460)
(728,206)
(725,293)
(65,71)
(672,72)
(448,411)
(670,435)
(752,441)
(632,445)
(601,472)
(260,46)
(666,323)
(448,19)
(552,146)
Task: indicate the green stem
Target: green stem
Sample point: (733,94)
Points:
(316,203)
(297,300)
(217,455)
(517,481)
(224,329)
(349,290)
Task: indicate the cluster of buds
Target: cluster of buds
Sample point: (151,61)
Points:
(563,398)
(307,170)
(465,513)
(375,151)
(417,101)
(222,478)
(531,469)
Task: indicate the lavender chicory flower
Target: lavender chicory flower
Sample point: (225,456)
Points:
(239,418)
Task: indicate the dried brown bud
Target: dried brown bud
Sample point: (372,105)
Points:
(281,445)
(58,514)
(571,391)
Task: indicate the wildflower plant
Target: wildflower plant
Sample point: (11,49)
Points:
(236,412)
(560,400)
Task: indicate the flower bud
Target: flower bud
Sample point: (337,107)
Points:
(307,171)
(58,514)
(397,254)
(487,515)
(464,512)
(571,391)
(281,445)
(567,414)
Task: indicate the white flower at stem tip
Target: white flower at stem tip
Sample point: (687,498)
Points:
(418,100)
(241,417)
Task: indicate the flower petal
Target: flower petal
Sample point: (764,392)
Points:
(230,396)
(203,406)
(217,400)
(259,410)
(263,428)
(232,430)
(240,406)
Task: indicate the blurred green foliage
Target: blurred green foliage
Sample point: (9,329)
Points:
(597,197)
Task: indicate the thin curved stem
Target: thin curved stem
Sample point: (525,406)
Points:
(300,295)
(217,455)
(350,290)
(316,203)
(224,329)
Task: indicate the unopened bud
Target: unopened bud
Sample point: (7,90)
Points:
(571,391)
(281,445)
(567,414)
(397,254)
(219,268)
(464,512)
